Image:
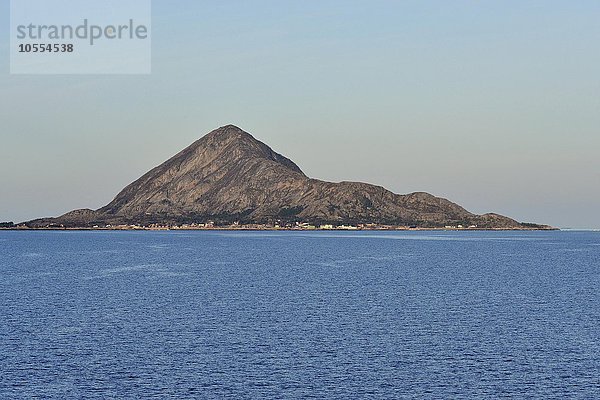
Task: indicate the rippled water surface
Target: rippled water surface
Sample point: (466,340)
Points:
(299,315)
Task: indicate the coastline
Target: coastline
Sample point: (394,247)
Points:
(279,229)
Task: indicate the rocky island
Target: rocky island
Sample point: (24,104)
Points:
(230,179)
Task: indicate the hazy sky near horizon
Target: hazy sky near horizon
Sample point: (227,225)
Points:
(494,105)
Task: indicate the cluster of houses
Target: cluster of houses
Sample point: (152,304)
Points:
(238,226)
(279,225)
(460,227)
(274,226)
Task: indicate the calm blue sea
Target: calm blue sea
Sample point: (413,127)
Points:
(275,315)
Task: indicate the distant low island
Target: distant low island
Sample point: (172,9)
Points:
(230,180)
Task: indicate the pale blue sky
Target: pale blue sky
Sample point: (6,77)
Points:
(494,105)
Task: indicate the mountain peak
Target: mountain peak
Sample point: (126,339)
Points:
(230,143)
(227,129)
(229,132)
